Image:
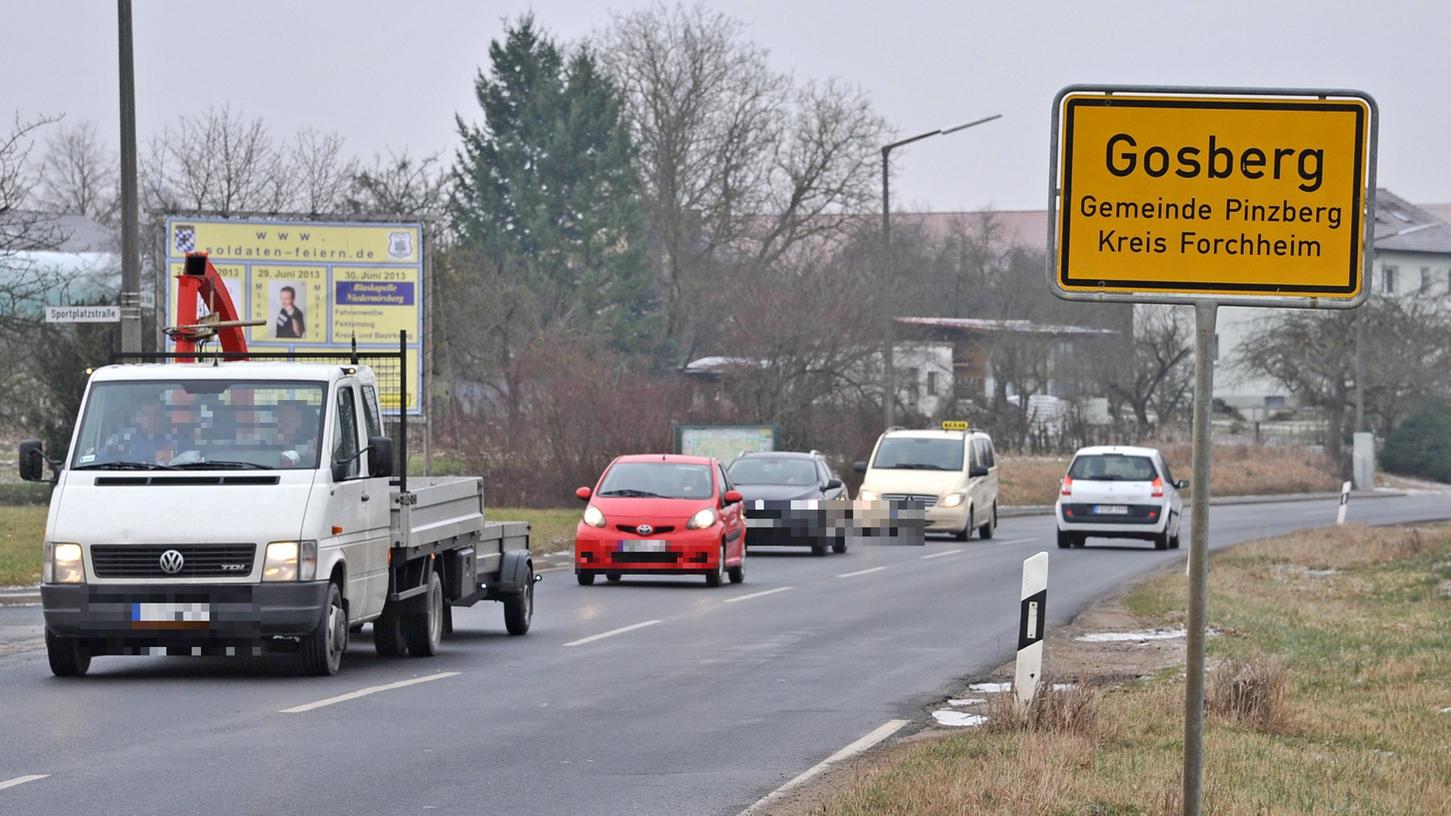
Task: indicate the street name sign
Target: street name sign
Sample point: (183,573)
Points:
(83,314)
(1242,196)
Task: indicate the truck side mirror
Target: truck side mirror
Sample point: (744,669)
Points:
(33,462)
(859,467)
(380,456)
(977,471)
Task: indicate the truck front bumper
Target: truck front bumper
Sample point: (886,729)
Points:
(233,612)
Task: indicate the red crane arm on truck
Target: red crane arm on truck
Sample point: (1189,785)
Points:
(200,285)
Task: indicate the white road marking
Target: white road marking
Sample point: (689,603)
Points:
(1017,541)
(880,733)
(21,780)
(353,695)
(620,631)
(759,594)
(940,554)
(860,572)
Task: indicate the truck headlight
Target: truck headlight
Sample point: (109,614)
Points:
(63,564)
(954,499)
(702,519)
(593,517)
(290,561)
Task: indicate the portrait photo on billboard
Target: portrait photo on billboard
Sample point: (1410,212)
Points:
(287,301)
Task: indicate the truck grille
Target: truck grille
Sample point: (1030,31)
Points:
(198,560)
(914,498)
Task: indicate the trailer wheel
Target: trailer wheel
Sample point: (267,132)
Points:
(613,577)
(519,608)
(585,577)
(425,631)
(838,543)
(388,634)
(69,657)
(322,648)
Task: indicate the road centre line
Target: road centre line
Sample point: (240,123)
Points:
(1016,541)
(21,780)
(353,695)
(860,572)
(878,734)
(940,554)
(758,594)
(620,631)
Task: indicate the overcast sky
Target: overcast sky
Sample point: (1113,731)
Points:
(394,74)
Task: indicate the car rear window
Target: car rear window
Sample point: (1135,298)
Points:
(773,470)
(1112,467)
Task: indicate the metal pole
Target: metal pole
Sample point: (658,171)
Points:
(130,245)
(1204,317)
(889,372)
(1359,374)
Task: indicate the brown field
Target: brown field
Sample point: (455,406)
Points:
(1329,693)
(1237,470)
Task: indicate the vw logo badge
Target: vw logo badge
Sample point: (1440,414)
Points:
(171,562)
(644,529)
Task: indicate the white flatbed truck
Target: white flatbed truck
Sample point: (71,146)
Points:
(232,507)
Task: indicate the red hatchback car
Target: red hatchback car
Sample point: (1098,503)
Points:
(661,514)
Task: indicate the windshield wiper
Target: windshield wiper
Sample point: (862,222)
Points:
(221,464)
(123,466)
(632,493)
(919,467)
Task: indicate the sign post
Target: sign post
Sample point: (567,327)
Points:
(1210,197)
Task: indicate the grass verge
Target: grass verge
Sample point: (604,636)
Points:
(1328,694)
(1239,470)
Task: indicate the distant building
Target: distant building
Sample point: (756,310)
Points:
(53,260)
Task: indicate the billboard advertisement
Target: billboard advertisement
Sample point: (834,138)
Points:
(724,442)
(316,286)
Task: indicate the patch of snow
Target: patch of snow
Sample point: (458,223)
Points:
(1446,710)
(1133,637)
(1064,686)
(990,688)
(967,701)
(1321,573)
(957,719)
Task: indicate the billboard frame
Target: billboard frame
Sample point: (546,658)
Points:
(678,431)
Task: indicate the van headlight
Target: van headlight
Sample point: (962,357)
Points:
(290,561)
(702,519)
(63,563)
(593,517)
(954,499)
(866,495)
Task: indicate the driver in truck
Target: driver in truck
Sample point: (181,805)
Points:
(296,431)
(146,440)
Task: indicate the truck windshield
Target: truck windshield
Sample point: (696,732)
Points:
(1112,467)
(919,453)
(200,424)
(773,470)
(665,480)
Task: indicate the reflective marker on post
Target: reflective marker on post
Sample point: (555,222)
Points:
(1344,503)
(1032,620)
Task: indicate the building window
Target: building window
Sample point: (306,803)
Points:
(932,383)
(1388,279)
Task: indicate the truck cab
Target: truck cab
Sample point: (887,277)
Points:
(231,507)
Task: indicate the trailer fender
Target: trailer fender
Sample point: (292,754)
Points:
(516,572)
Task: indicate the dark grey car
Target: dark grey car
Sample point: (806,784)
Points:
(792,499)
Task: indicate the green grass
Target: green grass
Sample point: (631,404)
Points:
(21,529)
(1360,621)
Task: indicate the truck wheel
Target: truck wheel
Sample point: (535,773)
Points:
(838,544)
(322,648)
(713,578)
(69,657)
(519,608)
(986,531)
(585,577)
(388,634)
(425,631)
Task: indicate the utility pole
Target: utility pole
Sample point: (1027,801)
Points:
(889,368)
(130,243)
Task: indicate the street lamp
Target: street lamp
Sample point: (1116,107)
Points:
(889,395)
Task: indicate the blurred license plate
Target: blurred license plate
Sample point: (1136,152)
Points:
(642,546)
(174,613)
(1110,510)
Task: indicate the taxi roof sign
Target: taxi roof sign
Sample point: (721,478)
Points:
(1241,196)
(955,425)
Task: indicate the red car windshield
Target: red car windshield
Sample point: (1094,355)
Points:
(663,480)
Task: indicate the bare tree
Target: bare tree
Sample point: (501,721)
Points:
(1161,376)
(322,174)
(221,162)
(78,174)
(400,184)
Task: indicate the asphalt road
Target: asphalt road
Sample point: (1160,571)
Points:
(711,701)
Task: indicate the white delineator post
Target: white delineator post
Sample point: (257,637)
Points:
(1031,622)
(1344,503)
